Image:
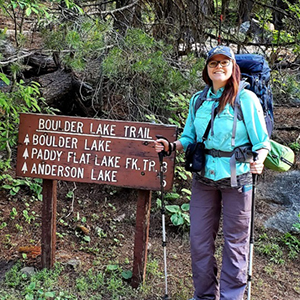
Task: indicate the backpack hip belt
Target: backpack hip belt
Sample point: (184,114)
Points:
(240,154)
(218,153)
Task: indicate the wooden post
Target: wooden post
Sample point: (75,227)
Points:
(49,223)
(141,237)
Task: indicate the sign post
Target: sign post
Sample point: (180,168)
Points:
(49,223)
(93,151)
(141,237)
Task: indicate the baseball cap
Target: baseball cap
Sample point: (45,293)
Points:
(227,51)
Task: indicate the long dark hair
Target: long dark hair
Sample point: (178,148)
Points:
(231,87)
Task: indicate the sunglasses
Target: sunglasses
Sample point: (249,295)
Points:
(214,63)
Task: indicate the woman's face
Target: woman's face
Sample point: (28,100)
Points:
(220,74)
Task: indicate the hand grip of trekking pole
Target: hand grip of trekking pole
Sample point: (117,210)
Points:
(163,152)
(254,176)
(255,155)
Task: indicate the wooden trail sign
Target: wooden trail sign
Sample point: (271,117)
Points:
(94,151)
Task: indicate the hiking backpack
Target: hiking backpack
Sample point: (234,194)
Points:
(255,73)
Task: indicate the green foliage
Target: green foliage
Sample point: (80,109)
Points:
(286,88)
(5,165)
(28,217)
(179,214)
(14,185)
(274,252)
(293,24)
(22,98)
(295,146)
(297,225)
(274,247)
(40,285)
(179,107)
(27,8)
(13,213)
(83,42)
(18,10)
(33,292)
(4,79)
(13,277)
(102,284)
(3,225)
(149,63)
(292,243)
(90,282)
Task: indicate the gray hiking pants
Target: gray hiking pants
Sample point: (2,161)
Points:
(205,211)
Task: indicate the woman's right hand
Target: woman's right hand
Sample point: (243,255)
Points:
(161,144)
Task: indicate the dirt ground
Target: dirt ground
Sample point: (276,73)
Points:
(108,214)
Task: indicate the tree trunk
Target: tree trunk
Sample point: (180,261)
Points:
(56,87)
(40,64)
(245,9)
(63,91)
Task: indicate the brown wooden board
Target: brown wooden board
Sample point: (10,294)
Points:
(93,151)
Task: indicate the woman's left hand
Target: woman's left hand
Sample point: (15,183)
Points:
(257,166)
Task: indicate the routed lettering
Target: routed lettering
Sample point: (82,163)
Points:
(54,141)
(59,125)
(97,145)
(104,175)
(131,163)
(108,161)
(76,158)
(103,129)
(149,165)
(46,154)
(137,132)
(57,170)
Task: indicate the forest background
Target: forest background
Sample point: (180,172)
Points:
(133,60)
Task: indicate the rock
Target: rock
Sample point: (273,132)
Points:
(284,190)
(74,263)
(29,271)
(120,218)
(6,48)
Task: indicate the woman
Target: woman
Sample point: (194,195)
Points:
(211,189)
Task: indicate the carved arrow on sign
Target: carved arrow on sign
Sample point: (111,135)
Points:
(25,154)
(24,168)
(26,140)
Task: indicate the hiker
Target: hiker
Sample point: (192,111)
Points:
(212,190)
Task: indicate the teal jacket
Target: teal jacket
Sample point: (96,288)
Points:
(250,130)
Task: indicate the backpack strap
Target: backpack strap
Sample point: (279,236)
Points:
(201,97)
(237,113)
(237,110)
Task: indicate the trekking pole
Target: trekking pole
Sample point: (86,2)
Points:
(251,246)
(163,213)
